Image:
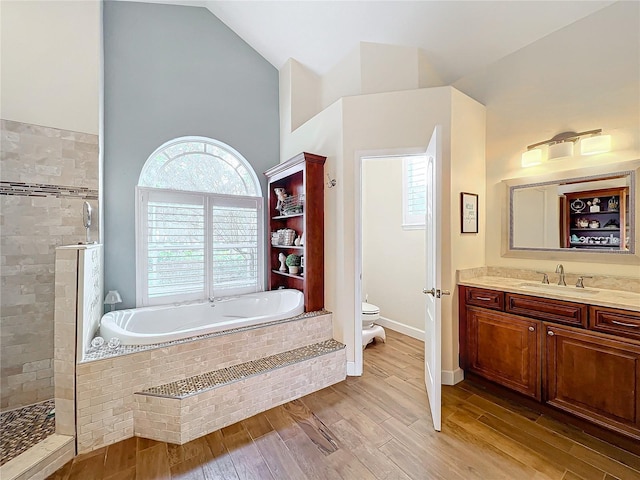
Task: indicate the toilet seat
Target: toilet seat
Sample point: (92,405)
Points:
(370,313)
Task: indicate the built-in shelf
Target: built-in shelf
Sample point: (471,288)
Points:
(285,274)
(599,245)
(303,177)
(282,217)
(614,197)
(595,229)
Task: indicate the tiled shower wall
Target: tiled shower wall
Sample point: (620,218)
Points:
(45,176)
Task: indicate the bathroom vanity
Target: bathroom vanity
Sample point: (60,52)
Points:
(575,350)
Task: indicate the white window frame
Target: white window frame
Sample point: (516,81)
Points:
(410,219)
(143,195)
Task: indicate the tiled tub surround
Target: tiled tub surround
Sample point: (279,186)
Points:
(187,409)
(46,175)
(104,351)
(105,388)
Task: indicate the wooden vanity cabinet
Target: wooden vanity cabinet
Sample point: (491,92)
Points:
(614,321)
(553,351)
(594,377)
(505,349)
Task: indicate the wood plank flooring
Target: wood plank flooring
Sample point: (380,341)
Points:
(376,427)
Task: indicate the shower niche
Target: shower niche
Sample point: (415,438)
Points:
(295,210)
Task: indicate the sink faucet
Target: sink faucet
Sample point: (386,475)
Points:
(560,272)
(545,277)
(580,282)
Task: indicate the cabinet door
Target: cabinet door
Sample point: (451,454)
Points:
(594,377)
(505,348)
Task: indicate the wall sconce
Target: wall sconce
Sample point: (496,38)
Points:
(561,146)
(112,298)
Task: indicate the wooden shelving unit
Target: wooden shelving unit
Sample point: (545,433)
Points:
(577,209)
(300,175)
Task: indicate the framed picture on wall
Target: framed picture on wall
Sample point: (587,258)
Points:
(469,212)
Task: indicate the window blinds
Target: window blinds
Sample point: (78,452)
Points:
(414,190)
(194,246)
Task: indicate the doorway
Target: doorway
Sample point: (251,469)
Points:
(391,252)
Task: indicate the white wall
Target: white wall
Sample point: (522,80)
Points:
(393,259)
(364,125)
(582,77)
(50,63)
(388,68)
(343,80)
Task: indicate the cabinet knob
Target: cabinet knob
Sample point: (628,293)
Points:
(532,329)
(550,333)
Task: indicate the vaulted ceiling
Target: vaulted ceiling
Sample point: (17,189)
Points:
(458,37)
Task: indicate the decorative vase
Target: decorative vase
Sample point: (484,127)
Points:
(282,257)
(294,269)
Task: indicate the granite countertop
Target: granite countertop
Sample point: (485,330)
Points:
(591,296)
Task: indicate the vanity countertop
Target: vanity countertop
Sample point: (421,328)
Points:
(591,296)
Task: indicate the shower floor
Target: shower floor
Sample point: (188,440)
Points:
(22,428)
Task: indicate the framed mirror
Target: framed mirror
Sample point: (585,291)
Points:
(589,213)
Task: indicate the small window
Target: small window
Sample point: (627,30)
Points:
(414,192)
(199,223)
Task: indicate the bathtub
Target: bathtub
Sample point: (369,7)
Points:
(149,325)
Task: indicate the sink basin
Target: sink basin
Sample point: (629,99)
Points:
(559,289)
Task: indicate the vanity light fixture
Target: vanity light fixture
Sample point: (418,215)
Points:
(562,149)
(532,157)
(595,144)
(561,146)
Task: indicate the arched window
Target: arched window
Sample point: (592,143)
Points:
(198,223)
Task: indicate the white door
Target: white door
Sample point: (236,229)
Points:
(433,331)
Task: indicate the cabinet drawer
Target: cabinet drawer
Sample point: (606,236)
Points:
(484,298)
(548,309)
(624,323)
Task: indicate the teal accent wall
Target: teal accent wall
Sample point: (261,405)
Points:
(173,71)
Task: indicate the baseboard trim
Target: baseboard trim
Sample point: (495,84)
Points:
(351,370)
(412,332)
(451,377)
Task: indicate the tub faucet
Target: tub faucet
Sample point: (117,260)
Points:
(560,272)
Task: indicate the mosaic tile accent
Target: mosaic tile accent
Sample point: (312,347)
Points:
(100,353)
(44,190)
(207,381)
(23,428)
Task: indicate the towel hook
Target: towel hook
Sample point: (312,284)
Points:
(331,181)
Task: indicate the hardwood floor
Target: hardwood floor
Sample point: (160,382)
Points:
(376,426)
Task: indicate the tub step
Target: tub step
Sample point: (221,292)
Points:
(183,410)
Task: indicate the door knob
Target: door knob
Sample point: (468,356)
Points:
(429,292)
(445,292)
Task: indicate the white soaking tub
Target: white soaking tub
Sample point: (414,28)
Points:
(149,325)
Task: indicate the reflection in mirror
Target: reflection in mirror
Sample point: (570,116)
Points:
(588,214)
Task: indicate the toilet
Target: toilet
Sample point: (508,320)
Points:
(371,313)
